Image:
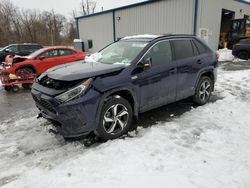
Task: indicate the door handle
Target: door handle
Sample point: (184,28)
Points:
(199,62)
(172,71)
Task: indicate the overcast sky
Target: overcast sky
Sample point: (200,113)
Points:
(67,6)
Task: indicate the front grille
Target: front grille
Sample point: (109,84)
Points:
(47,105)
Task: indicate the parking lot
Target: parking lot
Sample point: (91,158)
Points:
(204,146)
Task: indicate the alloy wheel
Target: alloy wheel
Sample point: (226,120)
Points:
(115,119)
(205,90)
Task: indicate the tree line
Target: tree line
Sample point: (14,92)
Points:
(25,25)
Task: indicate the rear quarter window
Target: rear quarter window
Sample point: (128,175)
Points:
(201,48)
(182,49)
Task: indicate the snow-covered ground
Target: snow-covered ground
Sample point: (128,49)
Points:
(205,147)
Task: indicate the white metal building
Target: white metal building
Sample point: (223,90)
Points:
(201,17)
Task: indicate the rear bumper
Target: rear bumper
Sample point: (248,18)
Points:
(73,119)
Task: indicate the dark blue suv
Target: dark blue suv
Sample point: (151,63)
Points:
(103,93)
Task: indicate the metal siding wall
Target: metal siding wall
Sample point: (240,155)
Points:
(209,16)
(98,28)
(161,17)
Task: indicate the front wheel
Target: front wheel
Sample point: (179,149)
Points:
(27,86)
(25,70)
(7,88)
(115,119)
(203,91)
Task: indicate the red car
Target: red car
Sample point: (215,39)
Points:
(45,58)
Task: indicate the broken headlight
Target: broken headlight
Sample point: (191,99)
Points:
(74,92)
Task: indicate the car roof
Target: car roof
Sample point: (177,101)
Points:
(25,44)
(148,37)
(58,47)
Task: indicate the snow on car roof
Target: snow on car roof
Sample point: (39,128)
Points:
(141,36)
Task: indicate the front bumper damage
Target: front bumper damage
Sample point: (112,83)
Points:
(75,118)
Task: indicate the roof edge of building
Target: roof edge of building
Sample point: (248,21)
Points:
(119,8)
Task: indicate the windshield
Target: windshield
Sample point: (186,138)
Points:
(12,48)
(122,52)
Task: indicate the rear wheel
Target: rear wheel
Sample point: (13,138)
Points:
(15,89)
(203,91)
(243,55)
(116,118)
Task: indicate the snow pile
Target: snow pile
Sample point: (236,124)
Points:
(207,146)
(226,55)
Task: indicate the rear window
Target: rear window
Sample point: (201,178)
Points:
(201,47)
(182,49)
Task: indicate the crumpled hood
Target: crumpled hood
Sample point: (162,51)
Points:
(81,70)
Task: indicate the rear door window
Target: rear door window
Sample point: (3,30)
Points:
(183,49)
(24,48)
(65,52)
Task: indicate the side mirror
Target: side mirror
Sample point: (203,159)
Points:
(41,58)
(146,64)
(7,50)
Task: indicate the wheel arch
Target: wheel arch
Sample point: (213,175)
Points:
(209,73)
(27,66)
(126,93)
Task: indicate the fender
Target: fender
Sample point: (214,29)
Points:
(209,69)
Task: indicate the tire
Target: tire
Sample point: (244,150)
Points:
(7,88)
(115,125)
(27,86)
(15,89)
(243,55)
(203,90)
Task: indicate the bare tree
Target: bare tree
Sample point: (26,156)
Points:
(47,28)
(88,7)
